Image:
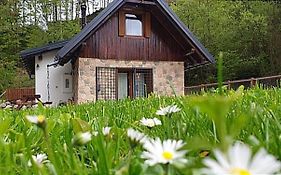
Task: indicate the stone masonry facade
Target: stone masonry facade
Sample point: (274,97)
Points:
(168,77)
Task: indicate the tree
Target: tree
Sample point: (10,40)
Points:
(238,28)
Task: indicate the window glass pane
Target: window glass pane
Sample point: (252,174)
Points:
(67,83)
(133,25)
(122,85)
(140,86)
(143,82)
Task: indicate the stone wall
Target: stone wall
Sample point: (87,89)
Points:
(168,77)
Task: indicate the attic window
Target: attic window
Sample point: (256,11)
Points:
(134,25)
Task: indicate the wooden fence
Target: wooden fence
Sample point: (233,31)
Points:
(18,93)
(271,81)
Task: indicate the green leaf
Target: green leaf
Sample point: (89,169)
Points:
(80,125)
(4,125)
(216,107)
(237,125)
(135,168)
(154,170)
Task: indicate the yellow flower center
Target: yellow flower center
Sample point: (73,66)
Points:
(204,153)
(167,155)
(41,119)
(238,171)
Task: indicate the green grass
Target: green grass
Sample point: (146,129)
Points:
(206,121)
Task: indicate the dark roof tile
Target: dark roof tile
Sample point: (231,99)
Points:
(39,50)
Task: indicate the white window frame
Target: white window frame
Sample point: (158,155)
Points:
(69,89)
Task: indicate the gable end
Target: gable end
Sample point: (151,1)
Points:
(194,53)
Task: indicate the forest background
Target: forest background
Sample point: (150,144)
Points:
(247,32)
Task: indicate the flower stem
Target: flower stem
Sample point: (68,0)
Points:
(169,127)
(168,169)
(49,146)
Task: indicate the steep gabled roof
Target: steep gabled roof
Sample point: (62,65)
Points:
(64,54)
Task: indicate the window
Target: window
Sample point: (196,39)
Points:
(134,25)
(143,82)
(67,83)
(140,85)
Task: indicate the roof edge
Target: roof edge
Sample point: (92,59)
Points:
(45,48)
(95,23)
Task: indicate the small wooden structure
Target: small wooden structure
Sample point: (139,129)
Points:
(19,97)
(13,94)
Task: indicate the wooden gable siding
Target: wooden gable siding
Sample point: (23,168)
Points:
(106,43)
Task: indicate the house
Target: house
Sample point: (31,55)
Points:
(50,82)
(132,48)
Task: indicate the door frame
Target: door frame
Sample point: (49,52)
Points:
(130,76)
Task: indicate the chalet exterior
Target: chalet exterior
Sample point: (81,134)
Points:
(132,48)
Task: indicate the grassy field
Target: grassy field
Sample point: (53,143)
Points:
(205,122)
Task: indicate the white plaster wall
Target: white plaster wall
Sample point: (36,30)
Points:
(56,81)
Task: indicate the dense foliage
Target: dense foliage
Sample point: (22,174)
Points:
(248,32)
(205,122)
(28,24)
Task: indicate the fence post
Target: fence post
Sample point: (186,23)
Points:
(253,82)
(228,85)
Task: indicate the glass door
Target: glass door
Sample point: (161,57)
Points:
(122,85)
(134,82)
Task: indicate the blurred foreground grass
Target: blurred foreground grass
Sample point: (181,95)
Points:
(205,122)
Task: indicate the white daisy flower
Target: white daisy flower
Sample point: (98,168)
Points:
(239,161)
(150,122)
(164,152)
(136,136)
(35,119)
(106,130)
(95,133)
(82,138)
(39,120)
(168,110)
(39,160)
